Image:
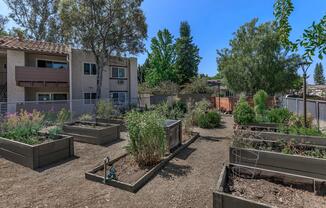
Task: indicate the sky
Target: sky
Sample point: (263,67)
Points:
(213,22)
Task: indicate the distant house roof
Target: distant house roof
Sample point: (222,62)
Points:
(34,46)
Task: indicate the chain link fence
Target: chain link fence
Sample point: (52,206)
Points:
(75,107)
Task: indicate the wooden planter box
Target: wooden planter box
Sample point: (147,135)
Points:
(91,175)
(223,199)
(294,164)
(274,136)
(173,130)
(121,122)
(37,156)
(270,127)
(99,135)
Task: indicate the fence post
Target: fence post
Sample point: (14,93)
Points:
(317,115)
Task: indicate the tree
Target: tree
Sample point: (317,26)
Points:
(106,28)
(187,54)
(3,21)
(256,60)
(313,38)
(142,69)
(319,74)
(39,19)
(161,59)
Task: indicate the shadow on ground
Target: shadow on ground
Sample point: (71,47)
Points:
(57,164)
(212,138)
(185,153)
(113,142)
(171,170)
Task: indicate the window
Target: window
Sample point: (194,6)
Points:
(89,98)
(89,69)
(51,96)
(118,72)
(44,97)
(52,64)
(119,97)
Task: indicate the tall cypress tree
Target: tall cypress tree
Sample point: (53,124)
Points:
(319,74)
(188,57)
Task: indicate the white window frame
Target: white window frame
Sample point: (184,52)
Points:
(42,59)
(51,95)
(90,63)
(89,101)
(119,68)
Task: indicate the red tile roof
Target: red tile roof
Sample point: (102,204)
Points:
(33,46)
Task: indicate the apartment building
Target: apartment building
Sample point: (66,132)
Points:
(43,71)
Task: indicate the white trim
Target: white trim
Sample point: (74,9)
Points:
(44,59)
(51,94)
(83,94)
(90,62)
(119,67)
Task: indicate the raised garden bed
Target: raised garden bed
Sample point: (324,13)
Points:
(303,159)
(92,132)
(270,127)
(248,187)
(275,136)
(39,155)
(130,177)
(119,121)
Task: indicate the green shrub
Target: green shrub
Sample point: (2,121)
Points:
(260,99)
(23,127)
(243,113)
(279,115)
(209,120)
(147,143)
(197,86)
(54,132)
(300,131)
(298,121)
(105,110)
(85,117)
(63,116)
(177,111)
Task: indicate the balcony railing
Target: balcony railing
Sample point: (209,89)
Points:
(37,77)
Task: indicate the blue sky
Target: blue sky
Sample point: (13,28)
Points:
(214,21)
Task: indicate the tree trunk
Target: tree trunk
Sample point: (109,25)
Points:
(100,69)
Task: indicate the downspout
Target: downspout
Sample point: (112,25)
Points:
(70,83)
(129,79)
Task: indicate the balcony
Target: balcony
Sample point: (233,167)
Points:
(41,77)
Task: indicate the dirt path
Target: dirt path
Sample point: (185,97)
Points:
(187,181)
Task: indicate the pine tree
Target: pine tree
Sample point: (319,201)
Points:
(188,57)
(319,75)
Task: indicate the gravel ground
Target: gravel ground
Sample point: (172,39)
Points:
(187,181)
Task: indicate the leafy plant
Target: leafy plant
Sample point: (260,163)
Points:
(147,143)
(63,116)
(200,108)
(23,127)
(54,132)
(279,115)
(260,99)
(243,113)
(197,86)
(85,117)
(209,120)
(105,110)
(177,111)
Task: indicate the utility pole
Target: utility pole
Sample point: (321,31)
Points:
(305,66)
